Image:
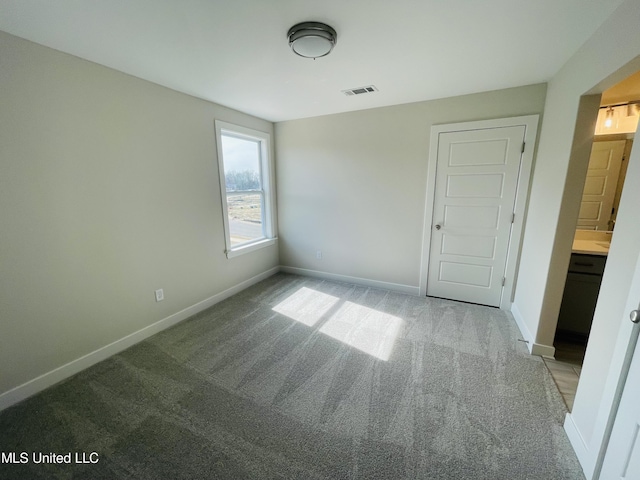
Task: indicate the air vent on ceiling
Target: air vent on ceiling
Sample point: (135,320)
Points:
(360,90)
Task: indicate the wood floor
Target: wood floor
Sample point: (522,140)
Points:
(566,368)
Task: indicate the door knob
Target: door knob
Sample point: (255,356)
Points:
(438,227)
(635,316)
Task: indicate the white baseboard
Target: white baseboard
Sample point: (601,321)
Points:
(524,330)
(396,287)
(543,350)
(48,379)
(579,446)
(534,348)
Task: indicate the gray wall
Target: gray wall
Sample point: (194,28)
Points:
(108,190)
(353,185)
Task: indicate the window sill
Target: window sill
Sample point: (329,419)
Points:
(242,249)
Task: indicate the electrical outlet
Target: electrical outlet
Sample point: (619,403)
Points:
(159,295)
(319,254)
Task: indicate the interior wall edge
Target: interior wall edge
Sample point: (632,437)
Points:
(522,326)
(564,231)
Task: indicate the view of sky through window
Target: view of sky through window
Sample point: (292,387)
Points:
(241,159)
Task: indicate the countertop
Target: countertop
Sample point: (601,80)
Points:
(591,247)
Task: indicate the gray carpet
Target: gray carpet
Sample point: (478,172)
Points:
(302,378)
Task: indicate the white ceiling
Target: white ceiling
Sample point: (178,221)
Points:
(235,52)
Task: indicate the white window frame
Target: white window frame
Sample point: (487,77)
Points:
(267,192)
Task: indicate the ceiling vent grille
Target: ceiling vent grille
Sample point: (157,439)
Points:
(360,90)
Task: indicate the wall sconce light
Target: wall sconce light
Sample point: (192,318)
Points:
(619,118)
(609,118)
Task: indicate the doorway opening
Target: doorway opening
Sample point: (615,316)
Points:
(595,228)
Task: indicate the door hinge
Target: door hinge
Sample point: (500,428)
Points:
(513,217)
(504,280)
(523,144)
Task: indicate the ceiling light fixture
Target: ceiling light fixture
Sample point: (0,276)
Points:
(312,39)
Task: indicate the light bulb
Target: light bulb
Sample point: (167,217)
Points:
(609,120)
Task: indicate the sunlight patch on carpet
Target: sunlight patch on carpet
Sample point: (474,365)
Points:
(370,331)
(306,306)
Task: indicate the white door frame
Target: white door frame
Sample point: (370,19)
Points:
(609,438)
(530,122)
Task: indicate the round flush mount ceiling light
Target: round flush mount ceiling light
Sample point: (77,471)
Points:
(312,39)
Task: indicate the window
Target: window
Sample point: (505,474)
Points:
(245,183)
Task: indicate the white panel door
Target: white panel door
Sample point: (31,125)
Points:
(622,458)
(476,183)
(600,185)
